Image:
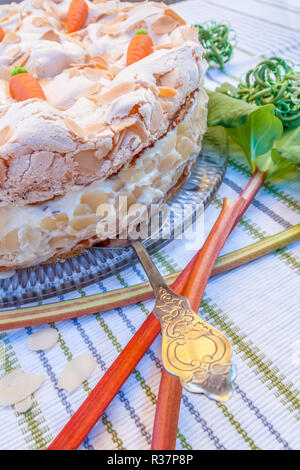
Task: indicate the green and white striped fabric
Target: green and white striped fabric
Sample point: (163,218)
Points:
(256,306)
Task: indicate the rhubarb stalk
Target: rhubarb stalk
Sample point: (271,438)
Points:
(169,396)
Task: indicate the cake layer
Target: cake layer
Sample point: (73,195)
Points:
(35,233)
(99,113)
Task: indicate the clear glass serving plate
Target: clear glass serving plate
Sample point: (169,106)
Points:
(96,263)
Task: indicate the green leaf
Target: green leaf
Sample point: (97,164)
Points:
(257,131)
(265,162)
(257,135)
(227,89)
(288,146)
(226,111)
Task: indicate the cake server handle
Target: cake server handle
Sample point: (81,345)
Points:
(194,351)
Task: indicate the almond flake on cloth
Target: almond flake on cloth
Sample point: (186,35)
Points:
(18,385)
(76,372)
(43,339)
(24,405)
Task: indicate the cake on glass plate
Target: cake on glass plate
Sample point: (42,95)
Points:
(98,101)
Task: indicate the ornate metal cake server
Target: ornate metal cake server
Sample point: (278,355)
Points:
(192,349)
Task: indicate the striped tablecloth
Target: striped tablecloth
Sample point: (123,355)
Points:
(256,306)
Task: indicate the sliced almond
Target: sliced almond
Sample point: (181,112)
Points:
(9,378)
(19,387)
(114,70)
(117,19)
(117,145)
(74,127)
(140,24)
(24,405)
(139,129)
(11,37)
(95,128)
(43,339)
(52,12)
(120,125)
(14,52)
(163,25)
(37,3)
(5,134)
(40,21)
(74,72)
(50,36)
(168,45)
(76,372)
(167,92)
(116,91)
(170,79)
(113,31)
(175,16)
(99,61)
(92,73)
(156,117)
(91,91)
(22,60)
(57,1)
(9,15)
(4,73)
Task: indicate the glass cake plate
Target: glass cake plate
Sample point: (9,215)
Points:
(96,263)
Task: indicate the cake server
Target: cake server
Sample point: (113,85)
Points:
(194,351)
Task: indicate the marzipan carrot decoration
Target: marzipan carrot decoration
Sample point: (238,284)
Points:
(77,15)
(2,34)
(139,47)
(23,86)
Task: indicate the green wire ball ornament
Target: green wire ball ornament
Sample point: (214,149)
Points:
(274,81)
(218,41)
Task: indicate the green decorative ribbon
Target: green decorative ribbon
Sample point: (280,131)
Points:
(218,40)
(273,81)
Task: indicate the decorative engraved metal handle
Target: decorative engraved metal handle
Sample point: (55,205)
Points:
(192,349)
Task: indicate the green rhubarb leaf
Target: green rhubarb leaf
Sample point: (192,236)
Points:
(257,136)
(226,111)
(288,146)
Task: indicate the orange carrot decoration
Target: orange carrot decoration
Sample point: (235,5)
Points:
(23,86)
(139,47)
(2,34)
(77,15)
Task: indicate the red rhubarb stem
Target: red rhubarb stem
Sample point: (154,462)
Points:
(169,397)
